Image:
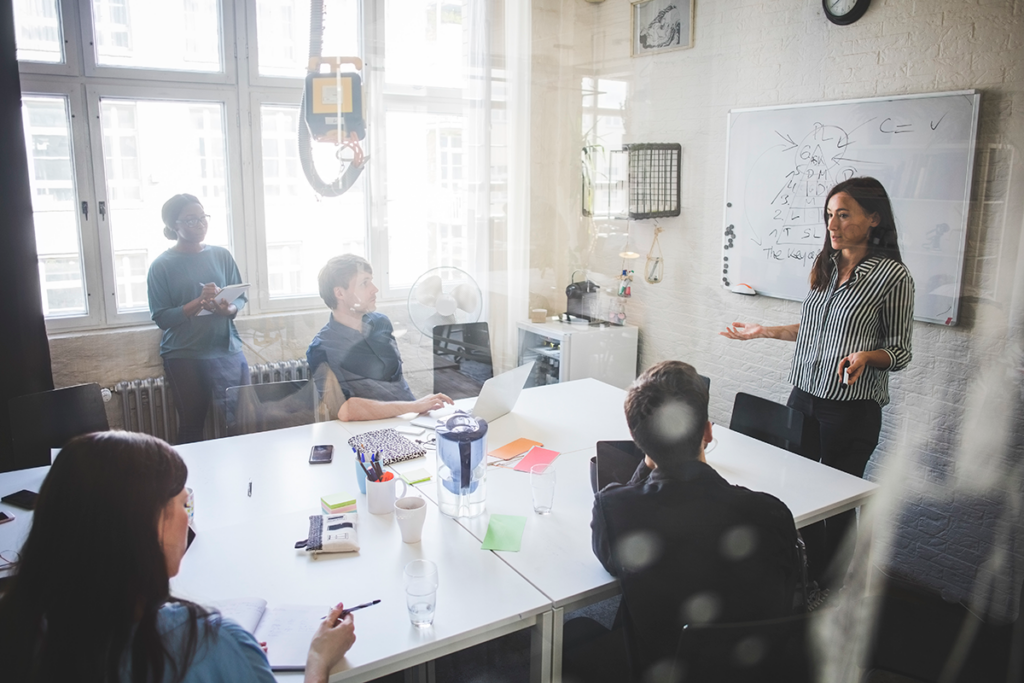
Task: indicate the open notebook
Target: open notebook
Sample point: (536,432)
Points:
(287,630)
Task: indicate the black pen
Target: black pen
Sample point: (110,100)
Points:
(344,612)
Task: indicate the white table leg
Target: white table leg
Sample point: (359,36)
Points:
(422,673)
(541,639)
(557,624)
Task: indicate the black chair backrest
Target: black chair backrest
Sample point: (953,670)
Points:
(757,651)
(776,424)
(273,405)
(462,358)
(50,419)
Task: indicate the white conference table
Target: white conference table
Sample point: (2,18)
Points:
(244,543)
(556,554)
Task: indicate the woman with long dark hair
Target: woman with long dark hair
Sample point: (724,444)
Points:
(855,327)
(202,353)
(90,599)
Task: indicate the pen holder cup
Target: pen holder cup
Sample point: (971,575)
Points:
(360,476)
(380,495)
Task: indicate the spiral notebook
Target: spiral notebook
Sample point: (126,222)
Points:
(393,446)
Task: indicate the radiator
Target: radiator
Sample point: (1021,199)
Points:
(147,406)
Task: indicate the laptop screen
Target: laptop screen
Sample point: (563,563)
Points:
(616,462)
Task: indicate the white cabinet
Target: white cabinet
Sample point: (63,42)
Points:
(568,351)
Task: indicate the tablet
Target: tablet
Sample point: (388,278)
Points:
(616,462)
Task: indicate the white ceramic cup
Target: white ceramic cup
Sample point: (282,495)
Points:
(411,512)
(380,495)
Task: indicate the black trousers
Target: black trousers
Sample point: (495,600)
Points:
(848,436)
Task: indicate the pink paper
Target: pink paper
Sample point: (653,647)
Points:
(536,456)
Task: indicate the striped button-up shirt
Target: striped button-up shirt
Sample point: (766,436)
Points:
(872,310)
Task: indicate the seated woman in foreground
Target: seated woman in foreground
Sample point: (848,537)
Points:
(90,600)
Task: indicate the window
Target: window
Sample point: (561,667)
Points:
(38,27)
(167,99)
(604,103)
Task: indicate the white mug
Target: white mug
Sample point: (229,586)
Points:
(380,495)
(411,512)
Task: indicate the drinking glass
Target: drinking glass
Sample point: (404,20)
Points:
(421,591)
(542,484)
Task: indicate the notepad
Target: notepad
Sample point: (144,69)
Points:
(338,502)
(536,456)
(287,630)
(227,295)
(504,532)
(511,450)
(417,476)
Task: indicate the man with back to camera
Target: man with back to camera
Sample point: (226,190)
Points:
(687,546)
(359,347)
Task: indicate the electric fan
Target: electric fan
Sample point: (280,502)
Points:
(444,296)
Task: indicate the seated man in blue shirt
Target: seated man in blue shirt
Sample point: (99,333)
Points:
(358,346)
(687,546)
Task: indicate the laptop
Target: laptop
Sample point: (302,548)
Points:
(497,398)
(615,463)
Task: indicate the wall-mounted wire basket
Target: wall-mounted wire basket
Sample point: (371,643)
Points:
(654,169)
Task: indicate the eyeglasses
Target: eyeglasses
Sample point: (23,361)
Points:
(8,558)
(193,222)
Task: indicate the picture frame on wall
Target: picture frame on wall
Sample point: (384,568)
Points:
(661,26)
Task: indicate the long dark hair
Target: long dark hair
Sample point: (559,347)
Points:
(92,573)
(882,241)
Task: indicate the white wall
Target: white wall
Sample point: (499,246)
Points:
(751,53)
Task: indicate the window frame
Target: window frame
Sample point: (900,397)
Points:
(233,170)
(228,53)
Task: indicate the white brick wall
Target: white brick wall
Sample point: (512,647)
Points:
(762,52)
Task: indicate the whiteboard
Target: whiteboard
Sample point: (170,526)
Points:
(782,161)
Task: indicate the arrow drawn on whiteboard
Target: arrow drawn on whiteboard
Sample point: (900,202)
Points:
(789,141)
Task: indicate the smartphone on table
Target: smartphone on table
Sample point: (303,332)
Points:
(5,517)
(24,499)
(321,454)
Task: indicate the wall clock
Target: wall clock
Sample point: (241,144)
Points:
(844,12)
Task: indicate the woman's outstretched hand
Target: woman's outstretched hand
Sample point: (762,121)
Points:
(743,331)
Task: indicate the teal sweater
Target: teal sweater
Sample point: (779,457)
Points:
(175,279)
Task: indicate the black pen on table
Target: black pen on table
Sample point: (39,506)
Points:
(345,612)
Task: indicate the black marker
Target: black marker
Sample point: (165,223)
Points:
(345,612)
(846,374)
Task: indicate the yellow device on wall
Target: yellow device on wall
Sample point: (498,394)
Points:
(334,100)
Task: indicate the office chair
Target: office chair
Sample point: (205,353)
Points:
(776,424)
(750,652)
(50,419)
(462,359)
(274,405)
(920,635)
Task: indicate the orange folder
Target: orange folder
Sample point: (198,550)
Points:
(511,450)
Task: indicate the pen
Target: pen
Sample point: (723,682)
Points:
(250,488)
(344,612)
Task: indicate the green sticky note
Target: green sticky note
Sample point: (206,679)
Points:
(417,476)
(505,532)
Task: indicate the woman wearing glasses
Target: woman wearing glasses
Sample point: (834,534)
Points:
(90,599)
(200,346)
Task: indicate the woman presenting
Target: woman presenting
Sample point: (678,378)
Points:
(90,599)
(202,353)
(855,328)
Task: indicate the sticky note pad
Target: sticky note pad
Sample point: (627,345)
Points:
(417,476)
(536,456)
(338,502)
(511,450)
(505,532)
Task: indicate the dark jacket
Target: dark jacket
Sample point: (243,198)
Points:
(691,548)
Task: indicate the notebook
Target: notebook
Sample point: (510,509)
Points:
(287,630)
(393,446)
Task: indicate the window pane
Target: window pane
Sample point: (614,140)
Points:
(282,30)
(38,31)
(181,36)
(153,150)
(54,204)
(303,230)
(426,202)
(424,43)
